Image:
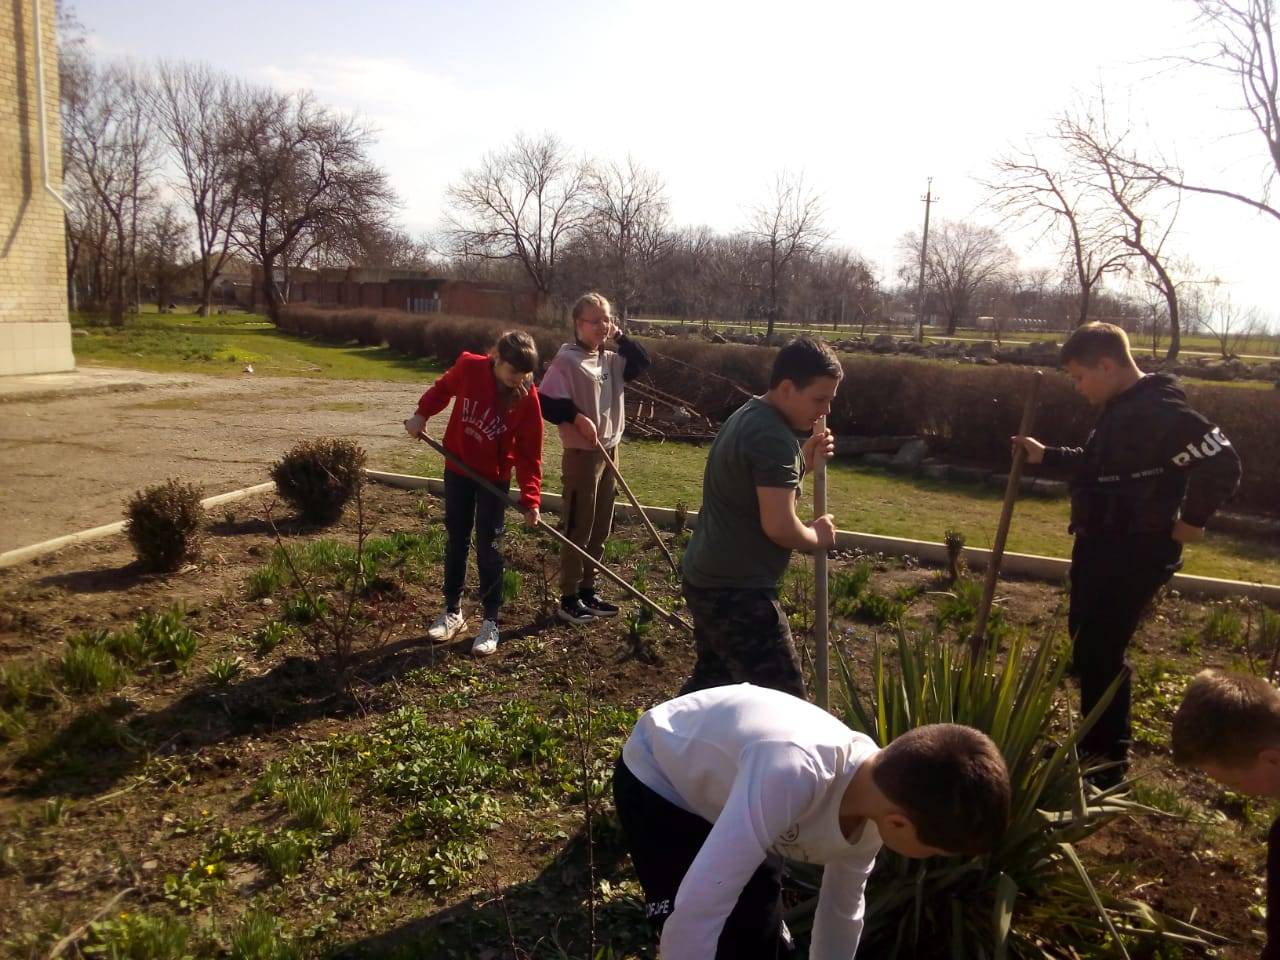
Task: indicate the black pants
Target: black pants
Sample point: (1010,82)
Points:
(1113,580)
(741,636)
(663,839)
(467,504)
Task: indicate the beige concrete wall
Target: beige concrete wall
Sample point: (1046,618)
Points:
(35,336)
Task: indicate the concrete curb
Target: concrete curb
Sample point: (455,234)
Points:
(13,557)
(1051,569)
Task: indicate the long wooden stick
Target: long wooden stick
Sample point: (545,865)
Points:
(821,613)
(636,503)
(979,639)
(547,528)
(80,931)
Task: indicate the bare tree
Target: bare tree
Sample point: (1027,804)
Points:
(1048,197)
(521,203)
(110,155)
(194,108)
(1245,50)
(630,218)
(1140,211)
(786,226)
(1211,310)
(165,250)
(306,179)
(962,258)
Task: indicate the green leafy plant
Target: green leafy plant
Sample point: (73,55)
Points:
(680,517)
(1031,897)
(318,477)
(303,609)
(163,524)
(958,609)
(55,810)
(288,852)
(323,805)
(953,540)
(259,936)
(512,583)
(140,936)
(224,670)
(264,582)
(618,549)
(1224,628)
(269,636)
(88,666)
(166,638)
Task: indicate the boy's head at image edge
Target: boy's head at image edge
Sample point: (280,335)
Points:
(1228,725)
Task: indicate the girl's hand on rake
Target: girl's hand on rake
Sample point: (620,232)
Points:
(532,516)
(415,425)
(586,427)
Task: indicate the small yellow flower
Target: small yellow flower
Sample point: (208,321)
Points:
(204,813)
(124,916)
(209,868)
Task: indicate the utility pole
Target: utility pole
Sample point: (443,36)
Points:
(929,200)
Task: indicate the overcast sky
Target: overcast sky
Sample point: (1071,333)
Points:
(867,100)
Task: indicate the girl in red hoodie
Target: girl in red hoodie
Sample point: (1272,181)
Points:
(496,424)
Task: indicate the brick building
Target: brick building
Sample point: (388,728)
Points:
(35,335)
(416,291)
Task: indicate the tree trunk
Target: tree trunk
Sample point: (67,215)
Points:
(1084,306)
(270,294)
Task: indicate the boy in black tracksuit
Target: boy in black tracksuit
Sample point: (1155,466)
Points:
(1148,478)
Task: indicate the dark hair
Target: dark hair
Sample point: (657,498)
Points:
(951,782)
(802,361)
(518,349)
(1091,342)
(1226,719)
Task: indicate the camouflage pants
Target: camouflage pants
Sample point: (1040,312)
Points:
(741,636)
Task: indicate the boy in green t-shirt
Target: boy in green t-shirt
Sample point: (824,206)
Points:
(747,525)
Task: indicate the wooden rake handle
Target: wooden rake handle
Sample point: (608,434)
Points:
(978,640)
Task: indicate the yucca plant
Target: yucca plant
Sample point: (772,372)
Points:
(1032,896)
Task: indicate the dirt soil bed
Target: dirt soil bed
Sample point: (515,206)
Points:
(162,785)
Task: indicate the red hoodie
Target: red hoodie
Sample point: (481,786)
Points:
(480,434)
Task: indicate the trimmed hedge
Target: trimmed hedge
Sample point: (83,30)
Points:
(968,412)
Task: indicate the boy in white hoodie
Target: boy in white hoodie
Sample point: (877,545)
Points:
(713,786)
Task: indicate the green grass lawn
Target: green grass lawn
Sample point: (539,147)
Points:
(221,345)
(870,500)
(863,499)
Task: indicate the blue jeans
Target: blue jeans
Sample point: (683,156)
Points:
(467,504)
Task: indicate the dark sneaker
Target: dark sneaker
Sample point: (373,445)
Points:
(598,607)
(571,610)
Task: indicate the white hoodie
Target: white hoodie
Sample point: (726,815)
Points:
(768,770)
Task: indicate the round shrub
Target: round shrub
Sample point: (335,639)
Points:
(163,524)
(318,477)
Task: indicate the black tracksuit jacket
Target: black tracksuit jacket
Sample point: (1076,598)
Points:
(1149,461)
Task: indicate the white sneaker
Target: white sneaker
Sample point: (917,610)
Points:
(486,640)
(446,627)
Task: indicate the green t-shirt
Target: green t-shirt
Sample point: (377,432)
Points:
(729,548)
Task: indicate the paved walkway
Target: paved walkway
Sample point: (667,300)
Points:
(75,446)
